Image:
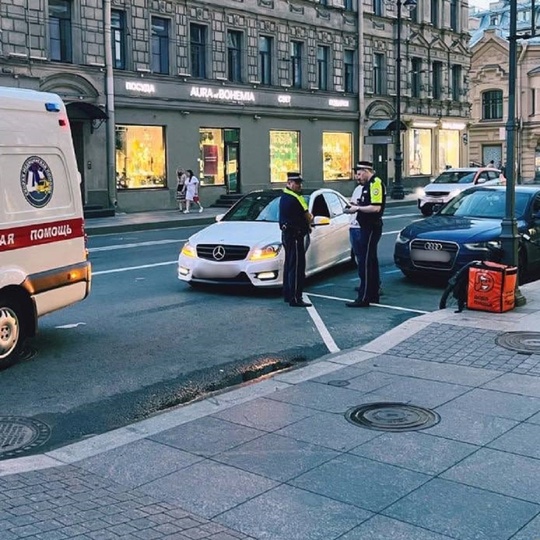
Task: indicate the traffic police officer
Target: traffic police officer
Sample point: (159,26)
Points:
(369,211)
(294,221)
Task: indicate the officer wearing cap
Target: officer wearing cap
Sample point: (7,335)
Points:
(294,221)
(369,210)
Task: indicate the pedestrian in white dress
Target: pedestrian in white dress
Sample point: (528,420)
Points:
(191,187)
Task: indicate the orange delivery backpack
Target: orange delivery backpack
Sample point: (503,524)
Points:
(491,287)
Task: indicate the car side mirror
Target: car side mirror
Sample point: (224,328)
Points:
(536,215)
(219,217)
(320,220)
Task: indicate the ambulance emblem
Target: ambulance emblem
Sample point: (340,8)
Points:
(36,181)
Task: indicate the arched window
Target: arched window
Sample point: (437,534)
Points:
(492,105)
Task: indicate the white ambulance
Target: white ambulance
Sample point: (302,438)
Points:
(43,256)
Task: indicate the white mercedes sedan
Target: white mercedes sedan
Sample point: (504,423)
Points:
(244,245)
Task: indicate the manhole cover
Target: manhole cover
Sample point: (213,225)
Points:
(392,417)
(524,342)
(338,383)
(18,435)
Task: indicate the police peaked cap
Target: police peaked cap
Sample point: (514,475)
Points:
(364,165)
(294,177)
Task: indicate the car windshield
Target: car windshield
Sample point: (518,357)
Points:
(455,177)
(257,207)
(484,204)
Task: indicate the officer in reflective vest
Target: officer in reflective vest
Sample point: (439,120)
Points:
(369,212)
(295,222)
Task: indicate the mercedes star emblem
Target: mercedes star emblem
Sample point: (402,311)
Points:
(218,253)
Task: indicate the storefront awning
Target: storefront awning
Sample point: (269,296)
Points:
(86,111)
(381,127)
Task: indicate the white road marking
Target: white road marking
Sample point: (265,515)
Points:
(392,271)
(385,217)
(396,308)
(136,245)
(129,268)
(391,232)
(73,325)
(323,331)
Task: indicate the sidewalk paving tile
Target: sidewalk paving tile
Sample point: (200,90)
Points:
(523,439)
(359,481)
(470,427)
(463,512)
(136,464)
(275,457)
(288,513)
(495,403)
(501,472)
(207,436)
(514,383)
(264,414)
(208,488)
(329,430)
(534,419)
(531,531)
(383,528)
(416,451)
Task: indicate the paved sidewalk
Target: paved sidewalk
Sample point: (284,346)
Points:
(278,460)
(166,219)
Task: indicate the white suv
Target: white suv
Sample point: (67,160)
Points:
(451,182)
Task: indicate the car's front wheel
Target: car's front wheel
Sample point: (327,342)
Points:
(426,210)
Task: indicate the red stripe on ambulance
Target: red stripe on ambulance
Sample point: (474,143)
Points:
(36,235)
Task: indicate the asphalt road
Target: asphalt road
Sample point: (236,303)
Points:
(143,341)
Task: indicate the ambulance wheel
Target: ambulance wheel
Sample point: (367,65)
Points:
(11,333)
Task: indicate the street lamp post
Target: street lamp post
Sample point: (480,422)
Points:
(397,187)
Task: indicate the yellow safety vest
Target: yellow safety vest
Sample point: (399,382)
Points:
(299,198)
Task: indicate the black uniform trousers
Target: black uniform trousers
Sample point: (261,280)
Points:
(368,262)
(294,269)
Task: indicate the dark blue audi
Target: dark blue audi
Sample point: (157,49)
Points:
(465,228)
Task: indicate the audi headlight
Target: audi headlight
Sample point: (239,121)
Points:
(484,246)
(402,238)
(188,250)
(271,251)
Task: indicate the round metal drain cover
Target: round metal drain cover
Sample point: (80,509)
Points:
(18,435)
(392,417)
(524,342)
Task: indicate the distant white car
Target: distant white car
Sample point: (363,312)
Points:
(453,181)
(244,246)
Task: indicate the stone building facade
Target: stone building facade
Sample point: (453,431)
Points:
(239,91)
(489,93)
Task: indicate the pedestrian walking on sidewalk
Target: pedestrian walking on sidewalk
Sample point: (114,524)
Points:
(192,191)
(295,224)
(181,188)
(369,210)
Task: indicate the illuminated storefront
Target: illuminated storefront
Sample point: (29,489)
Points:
(140,157)
(449,141)
(337,156)
(284,154)
(212,170)
(420,151)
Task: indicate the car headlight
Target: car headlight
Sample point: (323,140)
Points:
(484,246)
(420,192)
(188,250)
(402,238)
(270,251)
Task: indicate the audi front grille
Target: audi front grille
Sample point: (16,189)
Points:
(433,254)
(222,252)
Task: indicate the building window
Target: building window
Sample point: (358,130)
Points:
(456,83)
(296,63)
(140,157)
(449,143)
(436,80)
(348,69)
(160,45)
(118,38)
(323,54)
(337,156)
(198,50)
(377,7)
(420,152)
(416,77)
(348,5)
(492,105)
(323,2)
(454,15)
(284,154)
(234,56)
(533,101)
(60,30)
(413,12)
(378,69)
(265,59)
(435,12)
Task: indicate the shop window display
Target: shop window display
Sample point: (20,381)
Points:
(337,156)
(284,154)
(211,161)
(449,141)
(140,157)
(420,149)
